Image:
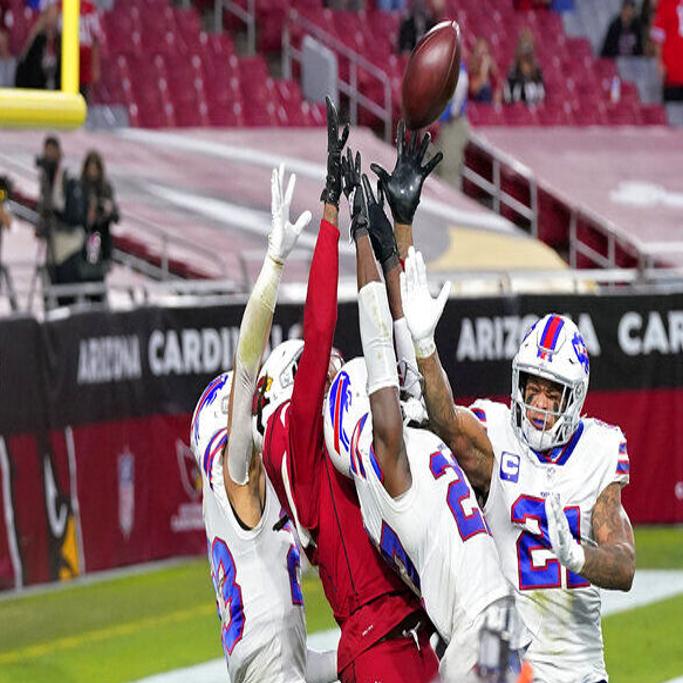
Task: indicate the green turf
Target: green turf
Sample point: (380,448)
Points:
(659,547)
(121,629)
(116,630)
(645,645)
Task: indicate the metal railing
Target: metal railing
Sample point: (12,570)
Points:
(355,60)
(646,255)
(246,16)
(500,197)
(168,239)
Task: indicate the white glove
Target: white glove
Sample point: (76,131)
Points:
(569,552)
(283,235)
(422,313)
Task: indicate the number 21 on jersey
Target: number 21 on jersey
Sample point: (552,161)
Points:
(549,573)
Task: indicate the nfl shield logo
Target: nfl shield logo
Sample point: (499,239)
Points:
(126,470)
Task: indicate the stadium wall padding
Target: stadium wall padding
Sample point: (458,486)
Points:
(95,467)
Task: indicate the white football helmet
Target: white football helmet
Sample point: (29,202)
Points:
(209,426)
(346,411)
(553,349)
(275,385)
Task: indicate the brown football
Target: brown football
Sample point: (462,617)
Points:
(431,75)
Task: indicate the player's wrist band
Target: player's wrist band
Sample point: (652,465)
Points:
(424,347)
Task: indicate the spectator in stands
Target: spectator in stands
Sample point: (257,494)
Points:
(101,212)
(667,33)
(624,35)
(423,15)
(91,40)
(8,64)
(454,132)
(484,79)
(61,208)
(525,80)
(40,60)
(647,9)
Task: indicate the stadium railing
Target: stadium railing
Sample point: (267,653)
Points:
(592,240)
(247,15)
(350,88)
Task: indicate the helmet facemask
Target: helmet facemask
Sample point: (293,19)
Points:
(552,350)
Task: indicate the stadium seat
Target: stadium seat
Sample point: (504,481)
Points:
(159,41)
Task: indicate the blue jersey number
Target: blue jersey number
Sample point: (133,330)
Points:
(469,523)
(548,575)
(224,575)
(395,554)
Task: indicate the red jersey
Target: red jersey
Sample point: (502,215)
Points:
(667,29)
(367,598)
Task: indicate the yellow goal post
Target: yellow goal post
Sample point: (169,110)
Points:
(66,108)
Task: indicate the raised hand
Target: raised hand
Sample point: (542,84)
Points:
(283,234)
(403,187)
(421,311)
(351,172)
(335,145)
(381,232)
(568,550)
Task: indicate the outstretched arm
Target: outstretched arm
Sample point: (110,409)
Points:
(457,426)
(403,187)
(254,330)
(320,318)
(612,563)
(378,350)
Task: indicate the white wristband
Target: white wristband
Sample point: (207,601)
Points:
(424,347)
(374,318)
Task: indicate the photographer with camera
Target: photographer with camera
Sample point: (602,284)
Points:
(62,218)
(101,212)
(5,216)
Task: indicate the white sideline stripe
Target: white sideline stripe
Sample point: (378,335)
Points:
(649,585)
(216,671)
(307,169)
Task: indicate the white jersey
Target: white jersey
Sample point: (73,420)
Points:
(256,576)
(436,536)
(559,607)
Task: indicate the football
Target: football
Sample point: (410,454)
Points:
(431,75)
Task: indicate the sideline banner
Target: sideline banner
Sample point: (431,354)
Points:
(95,468)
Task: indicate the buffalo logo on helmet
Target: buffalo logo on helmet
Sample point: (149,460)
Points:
(207,398)
(581,352)
(339,402)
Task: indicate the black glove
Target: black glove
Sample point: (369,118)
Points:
(404,185)
(335,145)
(381,232)
(351,171)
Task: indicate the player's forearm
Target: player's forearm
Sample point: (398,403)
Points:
(610,566)
(254,330)
(404,239)
(391,277)
(331,214)
(320,318)
(438,398)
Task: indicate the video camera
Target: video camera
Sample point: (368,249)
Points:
(5,189)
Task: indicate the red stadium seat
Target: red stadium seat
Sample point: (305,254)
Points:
(653,115)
